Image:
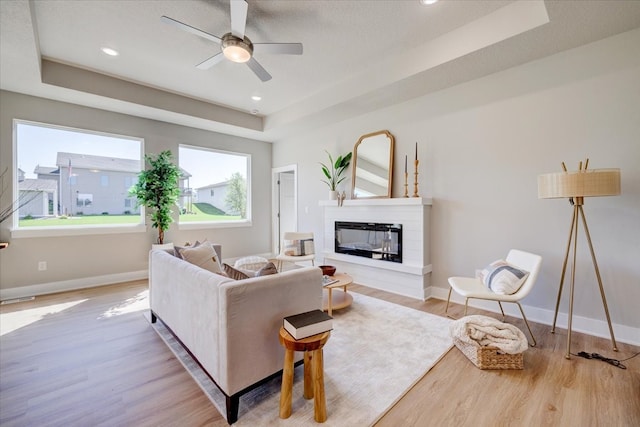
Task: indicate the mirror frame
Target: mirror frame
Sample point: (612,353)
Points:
(355,164)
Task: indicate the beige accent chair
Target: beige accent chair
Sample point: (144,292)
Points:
(288,251)
(472,287)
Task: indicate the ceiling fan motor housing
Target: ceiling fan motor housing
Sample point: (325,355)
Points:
(237,49)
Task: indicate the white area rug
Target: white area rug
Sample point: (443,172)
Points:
(376,353)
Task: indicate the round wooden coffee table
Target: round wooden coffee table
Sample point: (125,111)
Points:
(334,298)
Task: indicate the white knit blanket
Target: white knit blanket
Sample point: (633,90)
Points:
(483,331)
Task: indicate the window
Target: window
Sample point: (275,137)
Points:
(84,200)
(75,168)
(215,186)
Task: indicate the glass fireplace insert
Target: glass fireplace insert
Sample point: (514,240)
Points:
(369,240)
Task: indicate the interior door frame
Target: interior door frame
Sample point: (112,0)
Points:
(275,203)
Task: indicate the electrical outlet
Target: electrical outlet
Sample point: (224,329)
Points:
(42,265)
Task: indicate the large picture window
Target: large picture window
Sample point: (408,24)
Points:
(73,178)
(216,188)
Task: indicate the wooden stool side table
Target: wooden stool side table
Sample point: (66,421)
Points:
(313,372)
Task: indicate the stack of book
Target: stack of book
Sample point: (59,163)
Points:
(304,325)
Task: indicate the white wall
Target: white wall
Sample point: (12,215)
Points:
(482,145)
(76,261)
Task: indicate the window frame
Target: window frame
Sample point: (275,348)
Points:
(244,222)
(61,230)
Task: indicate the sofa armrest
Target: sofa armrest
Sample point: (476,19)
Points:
(251,313)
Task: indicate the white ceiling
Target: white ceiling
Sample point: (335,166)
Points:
(358,55)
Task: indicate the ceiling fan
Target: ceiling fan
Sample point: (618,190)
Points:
(235,45)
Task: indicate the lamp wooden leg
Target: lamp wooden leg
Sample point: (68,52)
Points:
(564,270)
(595,265)
(573,281)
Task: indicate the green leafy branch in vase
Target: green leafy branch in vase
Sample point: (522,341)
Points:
(334,172)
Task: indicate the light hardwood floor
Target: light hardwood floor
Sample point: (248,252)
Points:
(90,358)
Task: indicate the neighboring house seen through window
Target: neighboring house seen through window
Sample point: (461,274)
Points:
(216,187)
(74,177)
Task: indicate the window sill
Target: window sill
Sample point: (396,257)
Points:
(205,225)
(75,231)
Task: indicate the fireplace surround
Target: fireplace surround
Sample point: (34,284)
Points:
(410,277)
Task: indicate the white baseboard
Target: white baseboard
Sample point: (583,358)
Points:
(596,327)
(589,326)
(70,285)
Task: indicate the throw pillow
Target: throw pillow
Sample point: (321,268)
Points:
(503,278)
(267,269)
(203,256)
(178,249)
(250,263)
(233,273)
(299,247)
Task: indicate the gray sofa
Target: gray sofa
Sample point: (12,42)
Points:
(231,327)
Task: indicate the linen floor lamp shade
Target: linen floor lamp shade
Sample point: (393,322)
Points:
(585,183)
(577,185)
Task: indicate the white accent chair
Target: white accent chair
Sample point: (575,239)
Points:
(285,251)
(472,287)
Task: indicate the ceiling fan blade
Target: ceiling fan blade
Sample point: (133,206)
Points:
(238,17)
(190,29)
(258,70)
(208,63)
(279,48)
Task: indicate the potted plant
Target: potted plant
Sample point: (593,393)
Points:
(158,189)
(334,172)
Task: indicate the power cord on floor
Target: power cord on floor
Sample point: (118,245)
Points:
(615,362)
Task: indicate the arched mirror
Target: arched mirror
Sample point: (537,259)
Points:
(372,166)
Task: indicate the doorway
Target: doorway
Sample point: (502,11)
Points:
(285,203)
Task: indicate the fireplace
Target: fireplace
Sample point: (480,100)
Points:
(370,240)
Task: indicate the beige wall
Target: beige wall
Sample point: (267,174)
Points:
(75,260)
(482,145)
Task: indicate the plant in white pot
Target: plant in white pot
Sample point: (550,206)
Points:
(158,190)
(335,171)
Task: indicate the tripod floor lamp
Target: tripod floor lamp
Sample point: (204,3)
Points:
(577,185)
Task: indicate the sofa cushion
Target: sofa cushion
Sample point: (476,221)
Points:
(233,273)
(203,256)
(267,269)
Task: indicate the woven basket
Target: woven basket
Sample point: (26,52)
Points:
(488,357)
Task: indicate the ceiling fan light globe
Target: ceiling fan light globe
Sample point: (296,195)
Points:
(236,54)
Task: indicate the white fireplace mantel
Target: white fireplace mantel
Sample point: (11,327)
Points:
(398,201)
(412,276)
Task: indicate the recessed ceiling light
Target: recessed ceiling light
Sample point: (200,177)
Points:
(109,51)
(428,2)
(256,97)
